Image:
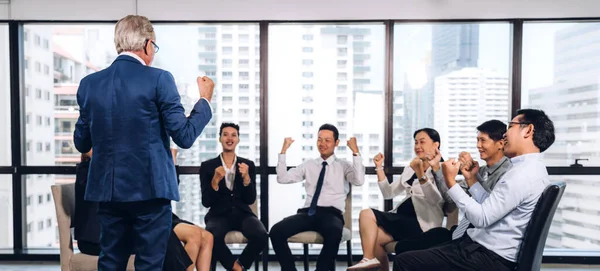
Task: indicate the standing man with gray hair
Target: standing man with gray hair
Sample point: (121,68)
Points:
(128,111)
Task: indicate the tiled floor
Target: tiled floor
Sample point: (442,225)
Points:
(272,267)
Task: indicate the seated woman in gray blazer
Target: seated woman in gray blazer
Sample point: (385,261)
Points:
(421,209)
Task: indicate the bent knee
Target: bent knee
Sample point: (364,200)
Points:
(366,214)
(207,237)
(195,237)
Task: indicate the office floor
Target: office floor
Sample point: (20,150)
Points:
(272,267)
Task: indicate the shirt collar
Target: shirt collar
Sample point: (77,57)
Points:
(232,165)
(134,56)
(526,157)
(329,160)
(497,164)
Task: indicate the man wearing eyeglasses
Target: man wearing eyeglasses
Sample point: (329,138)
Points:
(128,112)
(500,216)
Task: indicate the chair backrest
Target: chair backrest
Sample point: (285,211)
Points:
(254,207)
(64,203)
(348,211)
(534,239)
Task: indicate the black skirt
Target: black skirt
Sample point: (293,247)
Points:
(400,224)
(176,258)
(176,220)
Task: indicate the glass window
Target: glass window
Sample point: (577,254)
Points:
(44,234)
(72,60)
(71,57)
(576,221)
(6,211)
(5,142)
(307,110)
(562,79)
(450,77)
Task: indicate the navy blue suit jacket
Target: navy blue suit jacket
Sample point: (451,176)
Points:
(127,113)
(224,200)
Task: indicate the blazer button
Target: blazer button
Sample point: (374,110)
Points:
(232,194)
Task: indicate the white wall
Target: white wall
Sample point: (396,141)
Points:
(296,9)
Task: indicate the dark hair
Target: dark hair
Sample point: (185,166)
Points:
(229,124)
(432,133)
(543,127)
(495,129)
(329,127)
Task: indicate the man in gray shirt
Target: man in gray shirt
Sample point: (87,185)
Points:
(499,217)
(490,144)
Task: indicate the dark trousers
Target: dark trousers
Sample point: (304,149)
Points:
(431,238)
(141,228)
(327,221)
(460,254)
(249,225)
(89,248)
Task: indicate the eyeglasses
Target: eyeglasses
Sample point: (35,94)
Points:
(153,44)
(510,124)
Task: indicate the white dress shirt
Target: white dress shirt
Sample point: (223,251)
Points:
(500,217)
(229,172)
(338,175)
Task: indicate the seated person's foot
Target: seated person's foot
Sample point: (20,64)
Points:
(365,264)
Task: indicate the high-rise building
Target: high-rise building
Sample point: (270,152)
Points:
(453,47)
(6,228)
(572,103)
(463,99)
(230,55)
(39,128)
(324,74)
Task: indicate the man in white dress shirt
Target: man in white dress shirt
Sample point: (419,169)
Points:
(328,182)
(499,217)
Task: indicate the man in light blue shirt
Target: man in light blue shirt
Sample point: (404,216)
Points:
(499,217)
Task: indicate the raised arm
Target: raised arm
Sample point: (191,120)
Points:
(390,190)
(507,195)
(285,176)
(355,174)
(209,183)
(248,172)
(184,130)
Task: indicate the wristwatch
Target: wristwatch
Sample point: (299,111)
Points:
(423,178)
(356,154)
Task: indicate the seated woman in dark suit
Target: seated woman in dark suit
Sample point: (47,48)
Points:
(198,242)
(228,185)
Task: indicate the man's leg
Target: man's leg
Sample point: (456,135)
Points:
(115,237)
(283,230)
(428,239)
(219,227)
(330,226)
(152,229)
(460,254)
(257,236)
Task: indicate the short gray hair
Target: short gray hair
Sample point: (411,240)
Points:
(131,33)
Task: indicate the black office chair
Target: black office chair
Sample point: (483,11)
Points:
(534,240)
